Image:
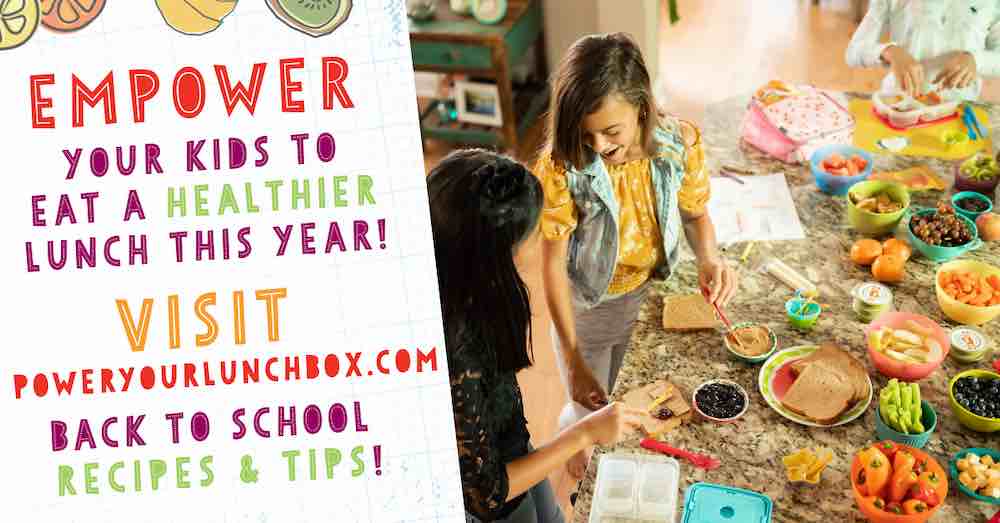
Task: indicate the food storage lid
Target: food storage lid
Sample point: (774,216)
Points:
(969,339)
(709,503)
(873,294)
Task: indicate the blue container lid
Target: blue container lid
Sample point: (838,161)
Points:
(709,503)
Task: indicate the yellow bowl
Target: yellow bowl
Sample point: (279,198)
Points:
(958,311)
(965,417)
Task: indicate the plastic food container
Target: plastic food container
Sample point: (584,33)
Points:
(902,370)
(928,417)
(876,515)
(802,315)
(636,487)
(960,312)
(871,223)
(838,185)
(937,253)
(965,417)
(871,300)
(953,469)
(772,340)
(971,195)
(709,503)
(969,344)
(904,111)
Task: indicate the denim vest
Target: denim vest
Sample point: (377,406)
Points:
(593,246)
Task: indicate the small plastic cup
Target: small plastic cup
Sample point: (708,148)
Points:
(802,315)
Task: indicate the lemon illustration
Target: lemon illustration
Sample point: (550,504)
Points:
(195,17)
(18,21)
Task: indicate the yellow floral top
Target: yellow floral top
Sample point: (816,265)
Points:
(640,249)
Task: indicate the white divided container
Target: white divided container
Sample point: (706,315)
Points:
(635,488)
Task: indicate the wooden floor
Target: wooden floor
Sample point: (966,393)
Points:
(720,48)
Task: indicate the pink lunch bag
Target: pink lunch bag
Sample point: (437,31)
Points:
(790,122)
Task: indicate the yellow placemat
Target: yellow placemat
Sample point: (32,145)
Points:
(923,141)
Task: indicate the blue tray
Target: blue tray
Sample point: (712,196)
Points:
(710,503)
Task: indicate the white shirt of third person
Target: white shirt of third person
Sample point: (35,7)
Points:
(929,30)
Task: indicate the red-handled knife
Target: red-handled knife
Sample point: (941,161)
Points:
(699,460)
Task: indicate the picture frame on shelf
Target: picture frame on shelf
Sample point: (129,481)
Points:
(478,103)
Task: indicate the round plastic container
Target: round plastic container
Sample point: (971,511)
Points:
(742,391)
(972,215)
(876,515)
(872,223)
(900,369)
(773,339)
(871,300)
(985,187)
(958,311)
(953,469)
(970,420)
(928,418)
(940,254)
(838,185)
(969,344)
(802,317)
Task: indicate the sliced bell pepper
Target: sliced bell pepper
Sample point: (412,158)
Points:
(876,502)
(914,506)
(888,448)
(876,470)
(900,484)
(931,482)
(923,494)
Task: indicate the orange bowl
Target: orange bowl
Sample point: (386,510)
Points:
(876,515)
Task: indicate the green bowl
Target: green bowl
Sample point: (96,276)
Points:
(971,215)
(970,420)
(953,470)
(752,359)
(876,224)
(927,417)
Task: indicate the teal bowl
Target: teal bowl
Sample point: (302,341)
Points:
(802,318)
(971,215)
(953,470)
(937,253)
(928,418)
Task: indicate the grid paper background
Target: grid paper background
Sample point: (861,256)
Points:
(337,303)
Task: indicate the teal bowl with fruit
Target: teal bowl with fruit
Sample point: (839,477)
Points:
(971,204)
(974,399)
(970,469)
(917,439)
(928,237)
(980,174)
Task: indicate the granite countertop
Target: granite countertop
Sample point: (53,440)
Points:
(751,449)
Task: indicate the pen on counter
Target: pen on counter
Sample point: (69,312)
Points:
(731,176)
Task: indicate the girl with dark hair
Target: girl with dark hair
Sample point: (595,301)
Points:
(485,209)
(621,180)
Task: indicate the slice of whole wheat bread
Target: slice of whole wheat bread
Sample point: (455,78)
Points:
(688,313)
(819,393)
(842,362)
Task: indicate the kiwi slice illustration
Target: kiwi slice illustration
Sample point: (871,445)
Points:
(312,17)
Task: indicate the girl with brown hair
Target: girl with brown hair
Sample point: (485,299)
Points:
(621,181)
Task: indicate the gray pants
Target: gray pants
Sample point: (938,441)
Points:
(602,335)
(538,506)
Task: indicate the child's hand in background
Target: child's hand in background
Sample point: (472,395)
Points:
(715,275)
(958,72)
(909,73)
